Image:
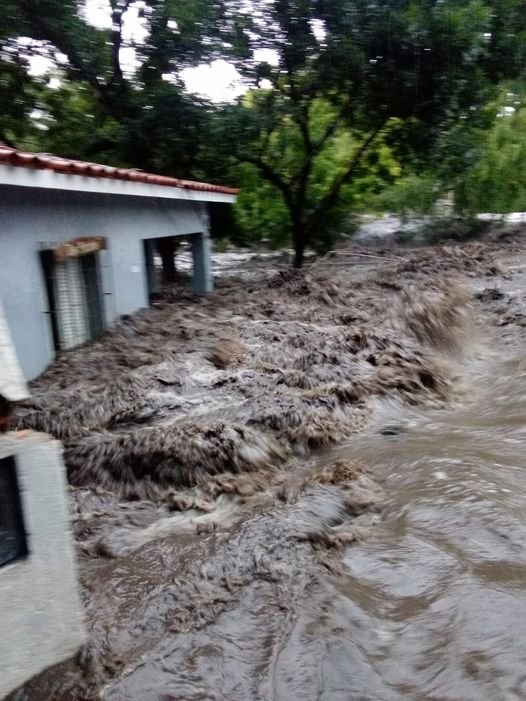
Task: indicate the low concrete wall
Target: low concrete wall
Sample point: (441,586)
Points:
(41,622)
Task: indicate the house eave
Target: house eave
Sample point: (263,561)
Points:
(50,180)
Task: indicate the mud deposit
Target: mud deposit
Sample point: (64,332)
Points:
(306,486)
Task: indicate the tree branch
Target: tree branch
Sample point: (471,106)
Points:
(118,9)
(303,113)
(267,137)
(315,148)
(44,30)
(333,194)
(318,145)
(271,175)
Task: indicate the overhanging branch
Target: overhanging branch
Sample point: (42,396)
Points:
(271,175)
(316,146)
(62,40)
(340,180)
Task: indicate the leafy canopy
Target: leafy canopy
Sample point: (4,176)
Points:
(396,73)
(341,94)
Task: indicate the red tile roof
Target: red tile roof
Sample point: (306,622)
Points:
(13,157)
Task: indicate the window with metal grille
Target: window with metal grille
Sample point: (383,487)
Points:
(75,300)
(13,542)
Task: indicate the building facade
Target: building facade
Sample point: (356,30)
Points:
(77,246)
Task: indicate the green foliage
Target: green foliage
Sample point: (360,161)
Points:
(140,120)
(18,100)
(261,211)
(442,229)
(221,245)
(496,182)
(358,104)
(70,124)
(395,74)
(411,194)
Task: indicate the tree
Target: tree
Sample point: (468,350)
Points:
(142,119)
(496,180)
(337,90)
(18,99)
(261,211)
(406,67)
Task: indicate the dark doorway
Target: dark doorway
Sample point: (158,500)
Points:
(161,266)
(13,542)
(167,249)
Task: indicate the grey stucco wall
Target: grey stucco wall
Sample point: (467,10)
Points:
(31,218)
(42,621)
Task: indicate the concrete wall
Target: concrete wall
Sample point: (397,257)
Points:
(39,598)
(31,218)
(12,384)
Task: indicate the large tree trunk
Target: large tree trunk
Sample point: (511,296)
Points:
(299,240)
(167,247)
(299,255)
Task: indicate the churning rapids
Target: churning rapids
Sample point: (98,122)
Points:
(309,486)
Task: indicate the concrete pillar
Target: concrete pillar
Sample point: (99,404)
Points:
(108,288)
(201,254)
(12,383)
(152,275)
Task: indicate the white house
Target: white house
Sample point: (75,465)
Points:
(77,243)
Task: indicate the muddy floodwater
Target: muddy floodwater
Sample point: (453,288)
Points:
(311,486)
(433,601)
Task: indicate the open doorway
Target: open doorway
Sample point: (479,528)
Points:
(160,259)
(177,260)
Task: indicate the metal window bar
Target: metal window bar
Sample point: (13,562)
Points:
(75,298)
(153,266)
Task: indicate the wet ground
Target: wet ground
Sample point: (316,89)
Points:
(327,486)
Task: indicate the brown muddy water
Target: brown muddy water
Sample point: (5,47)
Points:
(433,602)
(328,502)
